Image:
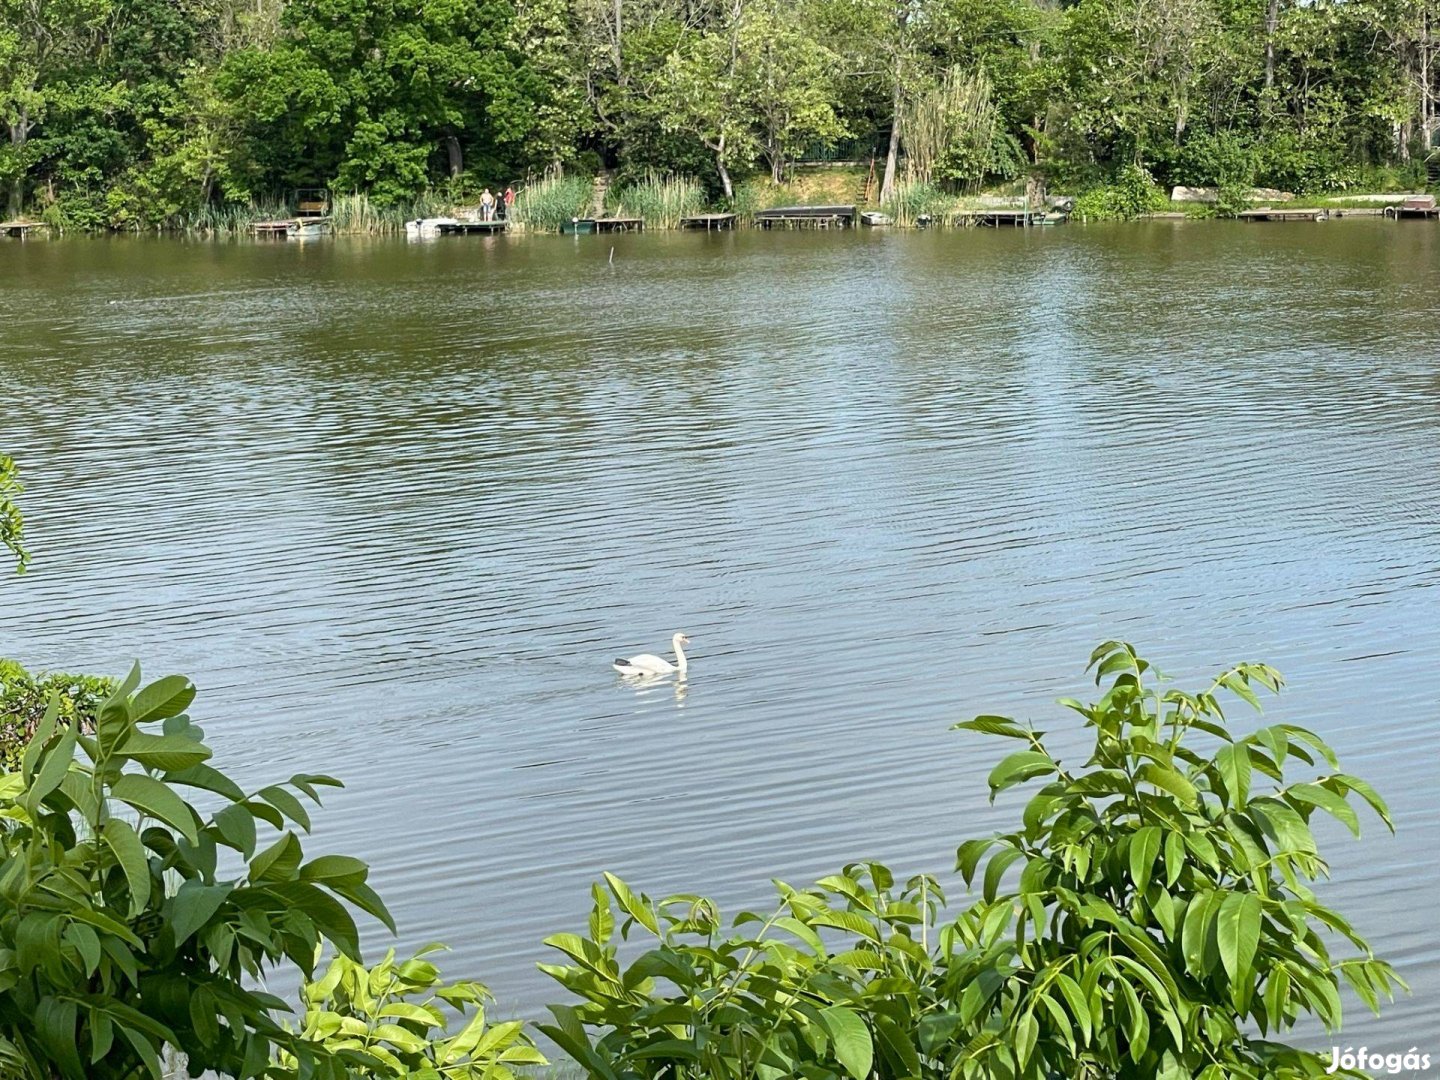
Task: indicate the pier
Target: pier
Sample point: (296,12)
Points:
(815,217)
(995,217)
(20,229)
(708,221)
(1269,213)
(470,228)
(1416,206)
(619,224)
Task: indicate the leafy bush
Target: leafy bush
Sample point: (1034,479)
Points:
(12,522)
(766,998)
(392,1021)
(1130,193)
(1160,916)
(118,936)
(25,697)
(1162,907)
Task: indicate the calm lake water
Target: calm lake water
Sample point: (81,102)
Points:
(395,507)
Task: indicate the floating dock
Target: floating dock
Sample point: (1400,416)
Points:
(470,228)
(271,230)
(708,221)
(619,224)
(1270,213)
(20,229)
(815,217)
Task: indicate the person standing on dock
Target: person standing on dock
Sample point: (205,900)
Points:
(487,206)
(508,199)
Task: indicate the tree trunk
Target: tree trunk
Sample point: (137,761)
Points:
(19,132)
(719,149)
(1272,23)
(887,185)
(457,159)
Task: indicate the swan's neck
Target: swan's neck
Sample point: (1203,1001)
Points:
(680,664)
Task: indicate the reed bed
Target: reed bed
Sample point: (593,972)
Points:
(551,201)
(660,199)
(913,200)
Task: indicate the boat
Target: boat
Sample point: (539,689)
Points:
(312,214)
(306,228)
(424,228)
(874,217)
(577,226)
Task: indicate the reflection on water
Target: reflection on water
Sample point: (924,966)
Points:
(396,507)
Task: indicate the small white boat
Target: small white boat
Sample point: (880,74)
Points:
(423,228)
(874,217)
(306,228)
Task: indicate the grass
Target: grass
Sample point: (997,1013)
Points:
(658,199)
(910,202)
(549,202)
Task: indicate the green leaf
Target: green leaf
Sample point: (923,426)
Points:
(207,779)
(1368,793)
(1168,780)
(995,870)
(1144,847)
(130,853)
(993,725)
(152,797)
(1327,800)
(328,868)
(1233,761)
(1237,932)
(1027,1030)
(192,907)
(236,826)
(854,1049)
(287,804)
(278,862)
(1174,857)
(54,765)
(162,699)
(163,752)
(968,855)
(1018,767)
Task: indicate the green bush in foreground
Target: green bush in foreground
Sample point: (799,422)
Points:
(25,697)
(1151,911)
(119,937)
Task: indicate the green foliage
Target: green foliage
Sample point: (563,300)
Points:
(913,200)
(24,699)
(1162,910)
(1130,193)
(393,1022)
(1151,913)
(550,202)
(660,200)
(12,522)
(120,938)
(830,984)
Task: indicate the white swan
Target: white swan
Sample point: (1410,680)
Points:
(647,664)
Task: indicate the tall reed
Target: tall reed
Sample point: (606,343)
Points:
(660,199)
(912,201)
(551,201)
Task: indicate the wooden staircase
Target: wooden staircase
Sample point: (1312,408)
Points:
(1432,169)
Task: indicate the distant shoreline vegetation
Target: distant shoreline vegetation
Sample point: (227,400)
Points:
(144,115)
(662,201)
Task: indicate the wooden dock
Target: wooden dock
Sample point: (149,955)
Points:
(271,230)
(708,221)
(20,229)
(1270,213)
(470,228)
(995,217)
(815,217)
(1416,206)
(619,224)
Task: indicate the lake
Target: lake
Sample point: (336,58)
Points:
(394,508)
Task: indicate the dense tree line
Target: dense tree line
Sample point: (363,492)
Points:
(143,112)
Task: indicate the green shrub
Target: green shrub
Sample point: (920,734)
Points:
(829,984)
(24,699)
(911,201)
(119,938)
(1130,193)
(1162,911)
(1150,914)
(12,522)
(391,1022)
